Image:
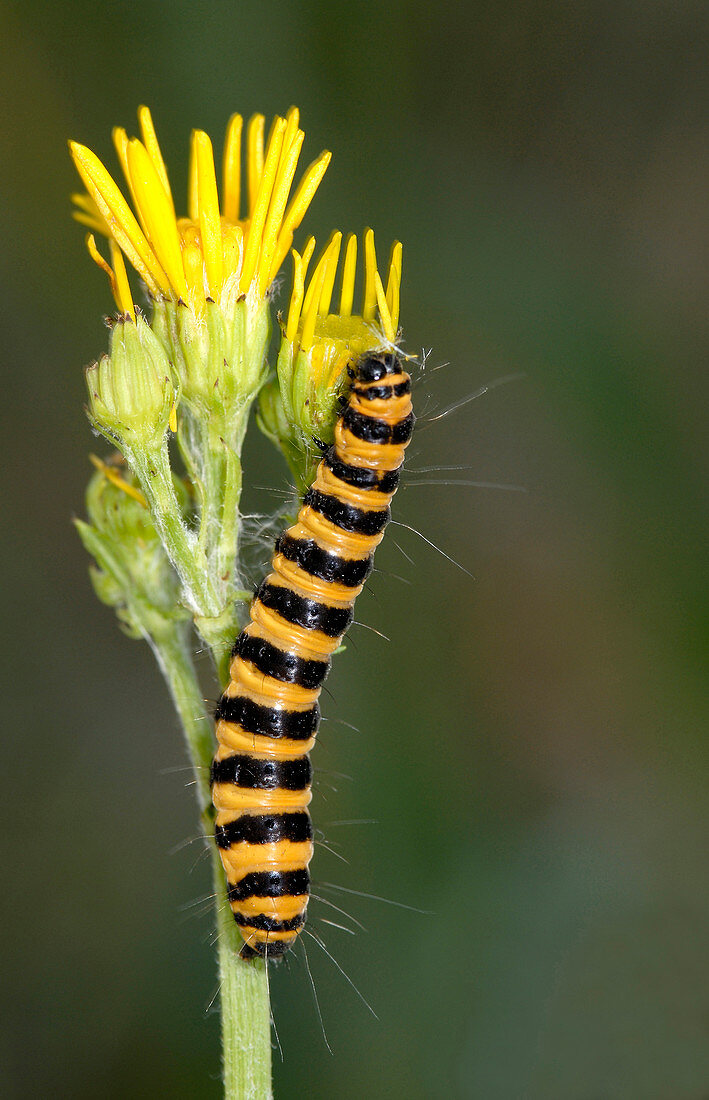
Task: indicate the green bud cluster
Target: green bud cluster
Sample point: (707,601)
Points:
(195,375)
(132,573)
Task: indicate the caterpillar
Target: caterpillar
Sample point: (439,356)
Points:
(267,718)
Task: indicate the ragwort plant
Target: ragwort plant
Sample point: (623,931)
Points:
(173,396)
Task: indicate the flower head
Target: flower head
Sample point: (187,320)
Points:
(331,339)
(298,411)
(215,253)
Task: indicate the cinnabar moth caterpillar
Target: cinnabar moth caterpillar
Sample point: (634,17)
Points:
(268,716)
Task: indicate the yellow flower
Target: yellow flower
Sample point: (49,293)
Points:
(214,253)
(331,340)
(298,409)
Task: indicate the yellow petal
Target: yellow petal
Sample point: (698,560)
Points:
(100,262)
(254,157)
(369,304)
(112,475)
(281,189)
(384,315)
(297,210)
(192,182)
(292,120)
(315,279)
(308,253)
(210,223)
(150,142)
(120,141)
(310,313)
(349,271)
(157,214)
(122,292)
(296,298)
(233,251)
(263,199)
(120,219)
(394,271)
(193,263)
(89,212)
(95,223)
(394,283)
(333,255)
(231,168)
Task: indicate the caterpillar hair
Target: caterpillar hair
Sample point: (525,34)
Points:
(268,716)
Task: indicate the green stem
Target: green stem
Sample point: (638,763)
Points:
(246,1013)
(245,1010)
(212,478)
(228,544)
(219,632)
(153,472)
(171,649)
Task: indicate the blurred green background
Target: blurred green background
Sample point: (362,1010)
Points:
(530,763)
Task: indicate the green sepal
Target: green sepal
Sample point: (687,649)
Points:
(272,421)
(220,359)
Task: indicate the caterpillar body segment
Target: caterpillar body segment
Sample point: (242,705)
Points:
(268,716)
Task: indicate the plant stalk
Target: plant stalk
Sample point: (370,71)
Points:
(172,652)
(245,1008)
(155,477)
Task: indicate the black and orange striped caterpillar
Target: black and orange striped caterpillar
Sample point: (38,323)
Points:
(268,716)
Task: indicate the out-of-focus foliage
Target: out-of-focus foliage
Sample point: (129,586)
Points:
(531,742)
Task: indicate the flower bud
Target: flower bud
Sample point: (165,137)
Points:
(131,393)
